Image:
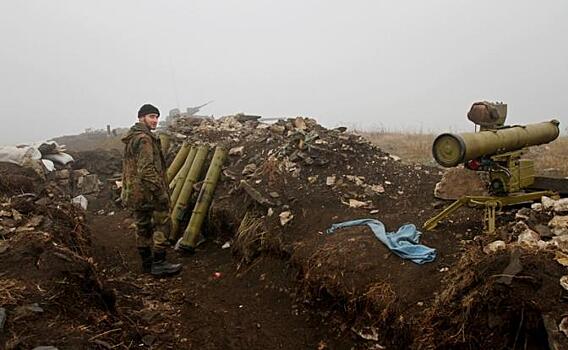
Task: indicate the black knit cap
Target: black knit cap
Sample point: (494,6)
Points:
(147,109)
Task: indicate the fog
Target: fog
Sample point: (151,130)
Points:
(396,65)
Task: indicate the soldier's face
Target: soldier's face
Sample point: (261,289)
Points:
(150,120)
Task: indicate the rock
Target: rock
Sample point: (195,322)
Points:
(274,194)
(561,242)
(354,203)
(561,205)
(2,318)
(62,174)
(543,231)
(563,326)
(547,203)
(528,237)
(88,184)
(80,201)
(494,247)
(561,258)
(313,179)
(524,214)
(16,215)
(249,169)
(330,180)
(520,227)
(377,188)
(559,225)
(357,180)
(458,182)
(564,282)
(285,217)
(545,245)
(236,151)
(536,206)
(80,172)
(299,123)
(277,129)
(27,310)
(148,339)
(255,194)
(3,246)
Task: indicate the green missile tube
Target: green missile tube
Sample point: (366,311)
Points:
(187,188)
(182,174)
(178,161)
(450,150)
(191,233)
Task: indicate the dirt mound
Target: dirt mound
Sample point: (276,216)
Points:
(104,163)
(498,301)
(15,179)
(49,287)
(292,180)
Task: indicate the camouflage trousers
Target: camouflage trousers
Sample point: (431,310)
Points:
(152,229)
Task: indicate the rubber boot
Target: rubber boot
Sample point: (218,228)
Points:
(146,255)
(160,267)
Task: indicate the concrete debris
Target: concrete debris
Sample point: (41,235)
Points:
(285,217)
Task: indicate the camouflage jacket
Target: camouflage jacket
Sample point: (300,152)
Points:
(143,170)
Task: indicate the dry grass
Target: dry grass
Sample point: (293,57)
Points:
(250,238)
(550,159)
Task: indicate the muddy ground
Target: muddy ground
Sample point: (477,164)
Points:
(289,286)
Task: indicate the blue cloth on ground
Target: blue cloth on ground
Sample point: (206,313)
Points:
(404,242)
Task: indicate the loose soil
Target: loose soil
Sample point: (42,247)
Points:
(291,285)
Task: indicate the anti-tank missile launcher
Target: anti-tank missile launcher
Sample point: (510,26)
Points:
(496,150)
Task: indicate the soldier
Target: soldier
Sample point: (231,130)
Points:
(145,191)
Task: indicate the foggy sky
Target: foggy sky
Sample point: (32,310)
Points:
(413,65)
